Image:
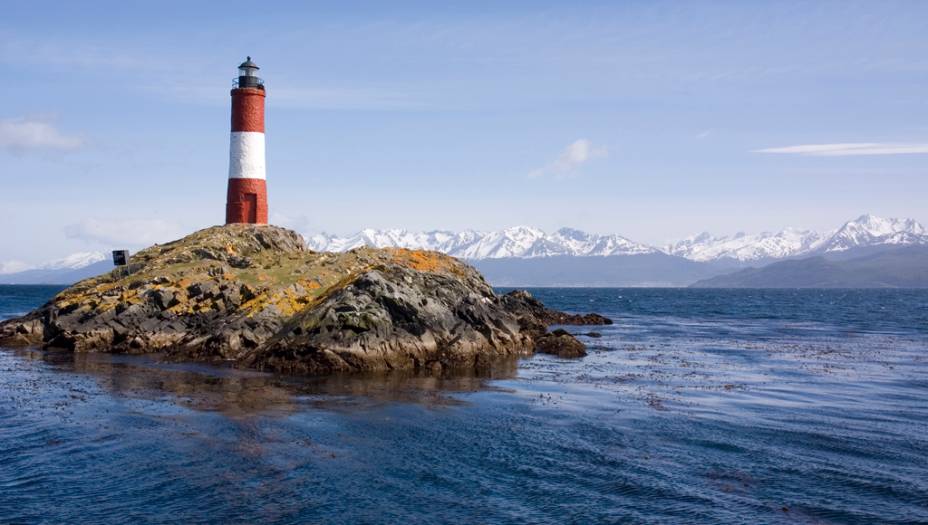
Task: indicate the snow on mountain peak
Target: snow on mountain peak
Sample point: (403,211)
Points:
(866,230)
(527,241)
(7,267)
(746,247)
(870,230)
(74,261)
(516,241)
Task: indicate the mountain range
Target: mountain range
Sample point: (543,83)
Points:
(518,241)
(528,242)
(527,256)
(863,232)
(66,270)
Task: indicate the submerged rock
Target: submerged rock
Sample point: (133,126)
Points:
(560,343)
(255,296)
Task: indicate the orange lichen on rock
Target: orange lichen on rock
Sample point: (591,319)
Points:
(424,261)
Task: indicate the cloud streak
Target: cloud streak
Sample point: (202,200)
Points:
(576,154)
(124,233)
(849,149)
(22,134)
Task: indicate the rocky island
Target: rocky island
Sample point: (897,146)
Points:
(254,295)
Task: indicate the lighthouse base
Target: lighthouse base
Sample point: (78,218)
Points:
(246,201)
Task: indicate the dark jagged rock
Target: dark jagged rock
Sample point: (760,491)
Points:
(396,318)
(524,302)
(560,343)
(255,296)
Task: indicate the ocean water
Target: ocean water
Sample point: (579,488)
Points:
(697,406)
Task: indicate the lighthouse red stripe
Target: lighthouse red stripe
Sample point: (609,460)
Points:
(248,109)
(246,201)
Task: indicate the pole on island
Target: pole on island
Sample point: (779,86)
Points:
(121,261)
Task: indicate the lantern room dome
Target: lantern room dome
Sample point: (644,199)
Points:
(248,64)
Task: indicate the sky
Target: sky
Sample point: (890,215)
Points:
(653,120)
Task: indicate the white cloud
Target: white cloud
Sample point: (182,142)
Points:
(22,134)
(576,154)
(300,223)
(119,233)
(849,149)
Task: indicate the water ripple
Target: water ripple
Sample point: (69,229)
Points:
(708,407)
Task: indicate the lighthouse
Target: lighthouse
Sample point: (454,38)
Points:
(246,198)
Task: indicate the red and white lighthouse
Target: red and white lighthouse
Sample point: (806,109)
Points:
(246,199)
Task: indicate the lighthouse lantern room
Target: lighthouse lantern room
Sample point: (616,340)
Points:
(248,75)
(246,198)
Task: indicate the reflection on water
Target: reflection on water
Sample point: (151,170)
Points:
(695,407)
(236,392)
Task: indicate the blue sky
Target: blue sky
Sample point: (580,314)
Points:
(639,118)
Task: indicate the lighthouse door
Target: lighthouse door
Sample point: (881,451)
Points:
(250,203)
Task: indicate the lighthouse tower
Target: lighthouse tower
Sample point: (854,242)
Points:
(246,199)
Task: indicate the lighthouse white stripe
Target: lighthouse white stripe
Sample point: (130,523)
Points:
(246,155)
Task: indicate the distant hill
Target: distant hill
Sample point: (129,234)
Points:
(655,269)
(897,267)
(57,275)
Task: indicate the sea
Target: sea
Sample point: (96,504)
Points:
(696,406)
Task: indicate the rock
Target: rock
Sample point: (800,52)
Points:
(27,331)
(239,262)
(253,295)
(231,295)
(204,288)
(398,318)
(523,301)
(560,343)
(164,298)
(595,335)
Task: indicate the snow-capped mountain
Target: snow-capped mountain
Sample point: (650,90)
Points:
(66,270)
(13,267)
(864,231)
(518,241)
(528,242)
(73,261)
(378,238)
(523,242)
(743,247)
(582,243)
(869,230)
